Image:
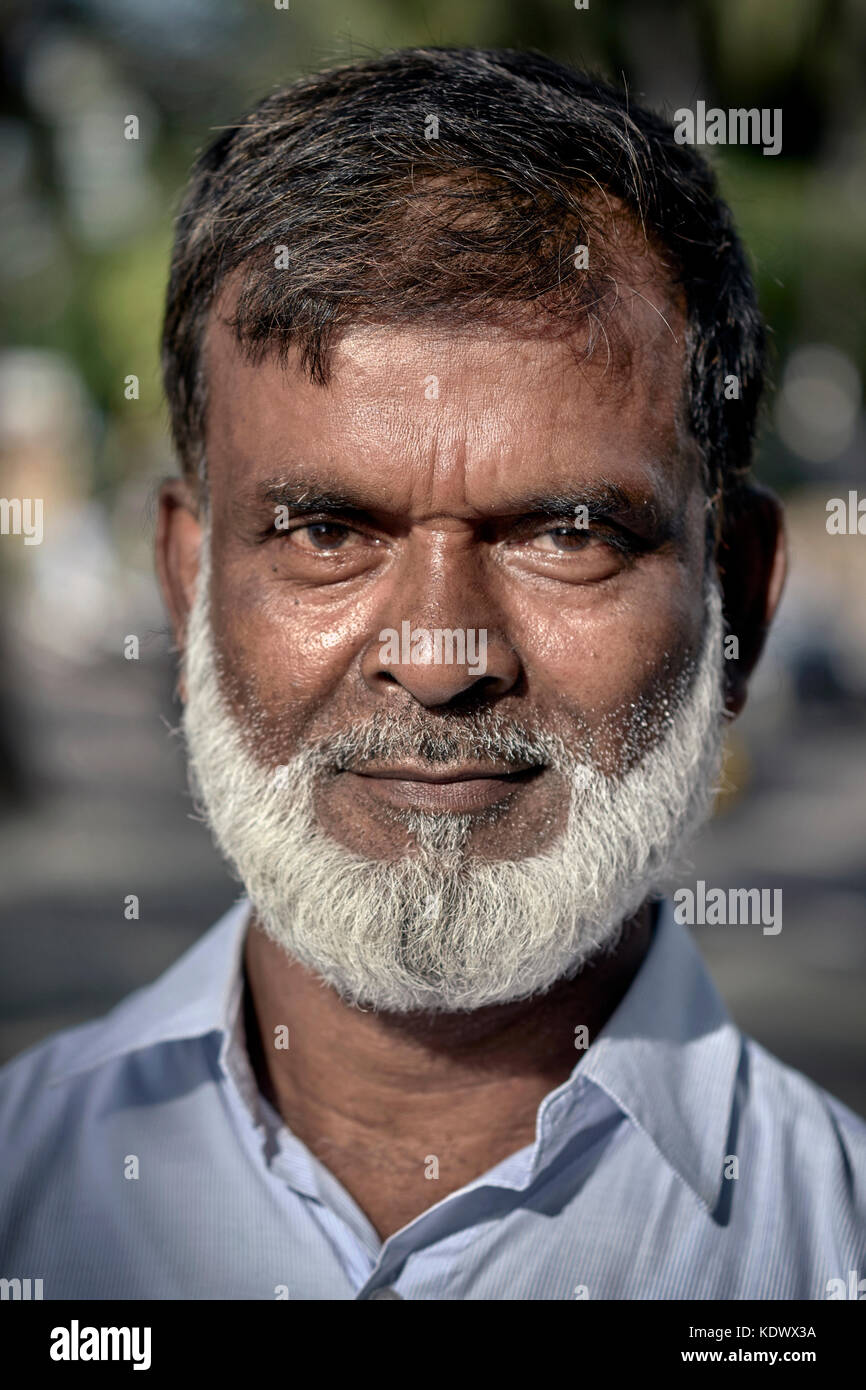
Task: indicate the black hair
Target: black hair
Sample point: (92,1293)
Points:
(454,184)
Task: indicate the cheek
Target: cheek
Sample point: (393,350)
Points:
(283,659)
(600,655)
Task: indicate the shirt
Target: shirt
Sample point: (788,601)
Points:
(679,1160)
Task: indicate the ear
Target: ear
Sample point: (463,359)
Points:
(178,543)
(751,556)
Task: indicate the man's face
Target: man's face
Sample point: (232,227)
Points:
(438,481)
(420,835)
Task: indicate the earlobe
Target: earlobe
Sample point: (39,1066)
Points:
(178,545)
(736,687)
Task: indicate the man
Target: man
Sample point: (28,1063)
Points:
(458,344)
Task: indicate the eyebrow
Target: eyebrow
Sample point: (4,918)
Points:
(305,499)
(600,499)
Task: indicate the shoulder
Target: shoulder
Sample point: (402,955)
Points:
(37,1083)
(801,1112)
(54,1101)
(139,1053)
(808,1150)
(80,1115)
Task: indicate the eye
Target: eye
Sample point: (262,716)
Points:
(565,538)
(575,554)
(322,536)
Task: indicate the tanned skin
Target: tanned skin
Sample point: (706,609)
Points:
(433,516)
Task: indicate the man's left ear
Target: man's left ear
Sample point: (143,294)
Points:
(751,556)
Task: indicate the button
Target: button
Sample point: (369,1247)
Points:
(385,1293)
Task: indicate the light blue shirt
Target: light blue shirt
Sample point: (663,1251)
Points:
(139,1160)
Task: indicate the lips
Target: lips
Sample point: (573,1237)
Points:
(406,772)
(464,787)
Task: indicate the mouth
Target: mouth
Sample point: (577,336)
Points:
(457,788)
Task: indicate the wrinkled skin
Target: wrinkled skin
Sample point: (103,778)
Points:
(578,628)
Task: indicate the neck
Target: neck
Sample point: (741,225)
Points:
(374,1096)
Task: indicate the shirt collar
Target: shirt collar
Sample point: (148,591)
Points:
(667,1057)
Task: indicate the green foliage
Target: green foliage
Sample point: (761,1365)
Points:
(803,214)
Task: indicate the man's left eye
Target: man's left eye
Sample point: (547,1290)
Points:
(321,535)
(565,538)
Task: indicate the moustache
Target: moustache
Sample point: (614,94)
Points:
(455,739)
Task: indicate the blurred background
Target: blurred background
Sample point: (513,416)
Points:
(93,805)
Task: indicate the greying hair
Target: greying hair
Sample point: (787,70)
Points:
(452,186)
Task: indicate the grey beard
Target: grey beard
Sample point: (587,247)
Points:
(440,929)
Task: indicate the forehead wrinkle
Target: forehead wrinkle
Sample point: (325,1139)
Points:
(432,454)
(446,470)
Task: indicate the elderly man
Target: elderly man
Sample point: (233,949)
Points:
(463,360)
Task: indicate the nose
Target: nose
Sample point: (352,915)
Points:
(448,644)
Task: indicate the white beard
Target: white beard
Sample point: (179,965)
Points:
(441,929)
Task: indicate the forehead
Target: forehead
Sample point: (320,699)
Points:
(469,418)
